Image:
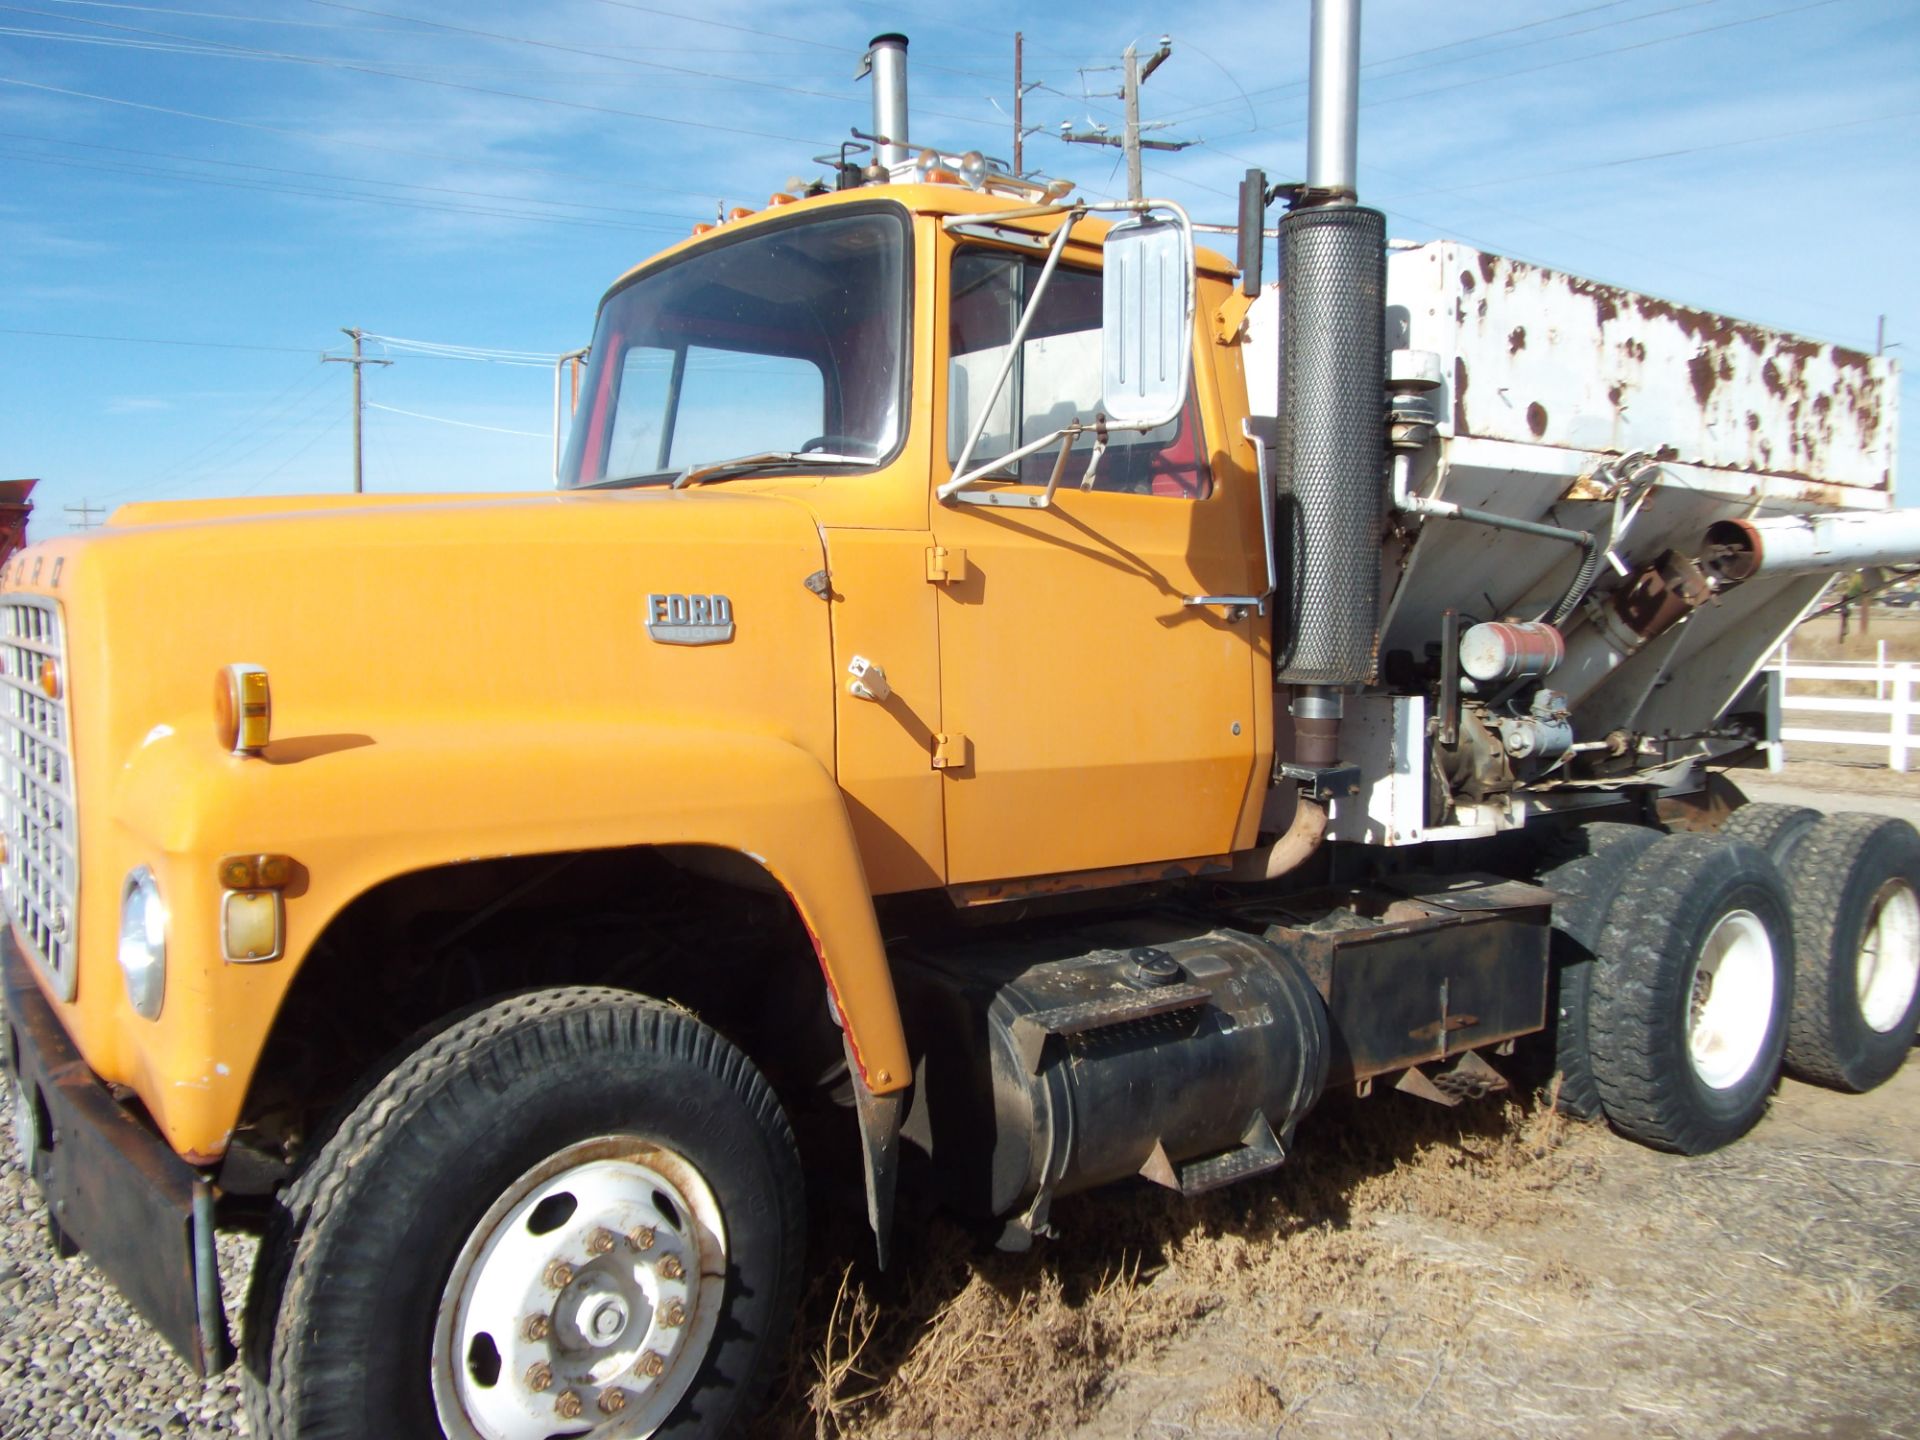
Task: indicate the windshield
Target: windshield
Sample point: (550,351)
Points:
(787,340)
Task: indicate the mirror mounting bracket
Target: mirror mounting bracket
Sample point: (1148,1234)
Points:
(966,473)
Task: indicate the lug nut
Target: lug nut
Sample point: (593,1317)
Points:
(539,1375)
(559,1275)
(612,1402)
(650,1364)
(641,1237)
(671,1268)
(600,1242)
(538,1327)
(567,1405)
(674,1314)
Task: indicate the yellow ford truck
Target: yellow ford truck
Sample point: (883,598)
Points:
(992,674)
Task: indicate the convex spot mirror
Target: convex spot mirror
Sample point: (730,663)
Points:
(1146,332)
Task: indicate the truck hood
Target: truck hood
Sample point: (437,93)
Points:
(459,609)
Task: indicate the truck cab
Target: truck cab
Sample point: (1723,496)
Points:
(862,340)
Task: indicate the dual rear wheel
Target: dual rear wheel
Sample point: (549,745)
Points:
(1690,968)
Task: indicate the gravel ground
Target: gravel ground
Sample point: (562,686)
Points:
(76,1360)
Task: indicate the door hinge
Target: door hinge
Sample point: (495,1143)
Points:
(944,566)
(952,752)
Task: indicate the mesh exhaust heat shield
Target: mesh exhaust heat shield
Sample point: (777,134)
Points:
(1332,454)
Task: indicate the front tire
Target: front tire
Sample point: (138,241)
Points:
(1856,899)
(1693,979)
(574,1212)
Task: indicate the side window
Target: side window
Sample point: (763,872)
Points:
(1055,379)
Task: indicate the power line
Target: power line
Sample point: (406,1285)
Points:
(1216,106)
(1673,154)
(267,413)
(322,404)
(156,340)
(221,50)
(342,25)
(440,350)
(360,69)
(1582,59)
(318,437)
(311,138)
(345,179)
(391,201)
(576,50)
(463,424)
(1616,50)
(765,35)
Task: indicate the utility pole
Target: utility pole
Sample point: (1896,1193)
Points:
(1019,102)
(85,515)
(356,360)
(1020,92)
(1130,140)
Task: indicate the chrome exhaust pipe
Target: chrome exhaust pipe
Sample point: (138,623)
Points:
(887,55)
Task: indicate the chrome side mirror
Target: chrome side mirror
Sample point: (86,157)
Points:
(1146,333)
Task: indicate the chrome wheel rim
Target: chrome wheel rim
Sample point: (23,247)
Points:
(1730,1000)
(1887,967)
(584,1301)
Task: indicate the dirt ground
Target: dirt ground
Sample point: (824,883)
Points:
(1416,1272)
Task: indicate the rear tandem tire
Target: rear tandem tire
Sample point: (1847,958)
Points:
(1691,987)
(1776,829)
(1588,883)
(1856,901)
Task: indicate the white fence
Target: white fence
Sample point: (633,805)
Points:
(1892,687)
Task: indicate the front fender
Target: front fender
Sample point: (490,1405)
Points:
(357,809)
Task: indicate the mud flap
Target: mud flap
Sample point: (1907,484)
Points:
(112,1186)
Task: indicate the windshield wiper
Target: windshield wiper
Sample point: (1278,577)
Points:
(742,464)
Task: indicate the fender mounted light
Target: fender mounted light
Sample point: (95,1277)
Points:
(243,709)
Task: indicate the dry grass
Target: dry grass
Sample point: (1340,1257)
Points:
(1819,640)
(959,1339)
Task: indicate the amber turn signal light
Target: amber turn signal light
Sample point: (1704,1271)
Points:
(243,708)
(50,678)
(257,872)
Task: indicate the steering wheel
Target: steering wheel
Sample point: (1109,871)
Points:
(840,443)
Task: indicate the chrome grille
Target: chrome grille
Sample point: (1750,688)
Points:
(40,881)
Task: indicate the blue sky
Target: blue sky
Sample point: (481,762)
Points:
(235,174)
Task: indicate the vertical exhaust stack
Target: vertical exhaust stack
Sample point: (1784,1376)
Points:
(888,56)
(1332,462)
(1332,441)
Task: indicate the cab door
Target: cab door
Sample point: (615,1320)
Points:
(1093,718)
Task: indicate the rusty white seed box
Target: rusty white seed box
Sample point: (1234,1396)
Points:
(1532,356)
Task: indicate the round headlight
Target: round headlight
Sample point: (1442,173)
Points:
(143,943)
